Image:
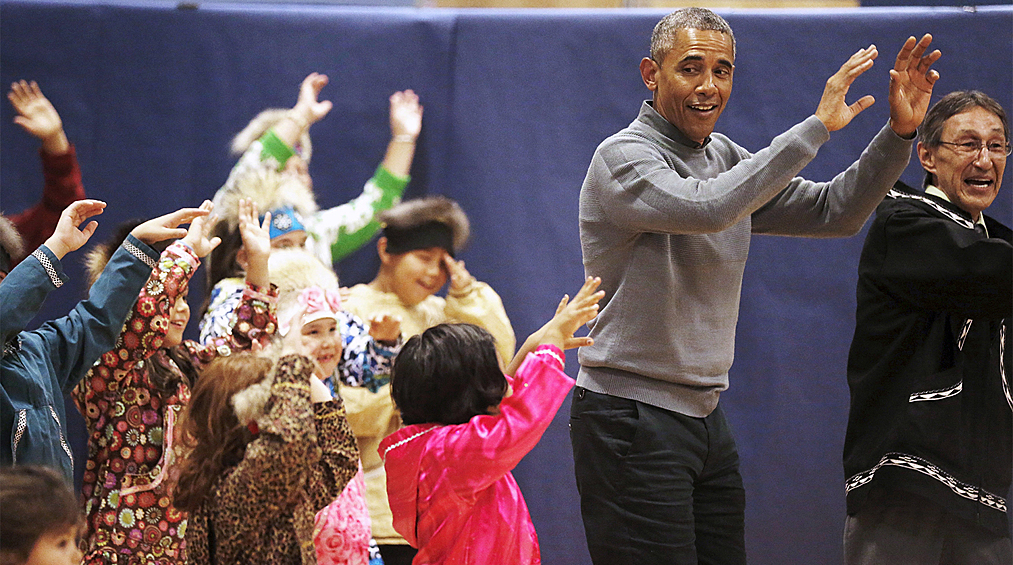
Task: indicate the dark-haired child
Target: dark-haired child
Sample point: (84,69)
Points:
(421,238)
(449,478)
(132,397)
(40,522)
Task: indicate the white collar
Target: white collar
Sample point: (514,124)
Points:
(940,194)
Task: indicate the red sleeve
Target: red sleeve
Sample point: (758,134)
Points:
(62,187)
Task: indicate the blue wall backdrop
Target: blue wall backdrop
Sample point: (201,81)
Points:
(515,104)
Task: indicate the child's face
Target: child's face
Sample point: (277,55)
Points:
(321,340)
(179,315)
(294,239)
(418,274)
(58,547)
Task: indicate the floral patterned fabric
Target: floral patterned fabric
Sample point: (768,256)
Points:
(129,511)
(343,527)
(264,509)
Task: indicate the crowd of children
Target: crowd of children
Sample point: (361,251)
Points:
(309,423)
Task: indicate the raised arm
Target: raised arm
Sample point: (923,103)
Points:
(26,287)
(38,116)
(307,111)
(911,82)
(145,327)
(405,126)
(841,207)
(341,230)
(559,330)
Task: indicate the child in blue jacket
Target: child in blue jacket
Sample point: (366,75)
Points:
(37,367)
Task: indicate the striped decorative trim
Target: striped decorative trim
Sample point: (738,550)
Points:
(922,466)
(20,431)
(136,252)
(1002,368)
(553,354)
(407,439)
(939,208)
(963,334)
(938,394)
(48,266)
(63,441)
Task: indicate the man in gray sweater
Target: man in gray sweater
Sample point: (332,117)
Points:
(666,213)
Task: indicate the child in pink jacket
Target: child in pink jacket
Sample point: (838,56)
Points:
(467,425)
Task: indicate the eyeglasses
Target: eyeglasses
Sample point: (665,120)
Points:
(970,148)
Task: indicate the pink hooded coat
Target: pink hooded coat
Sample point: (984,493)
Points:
(450,487)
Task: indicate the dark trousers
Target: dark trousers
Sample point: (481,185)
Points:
(899,528)
(397,554)
(656,486)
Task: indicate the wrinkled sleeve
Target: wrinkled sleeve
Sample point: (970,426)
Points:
(487,447)
(479,304)
(253,319)
(967,275)
(646,193)
(839,207)
(91,328)
(339,231)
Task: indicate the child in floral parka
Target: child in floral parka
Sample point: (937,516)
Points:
(132,397)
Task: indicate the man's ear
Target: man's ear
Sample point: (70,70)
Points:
(648,71)
(927,157)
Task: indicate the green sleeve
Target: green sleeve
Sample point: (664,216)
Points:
(391,188)
(273,146)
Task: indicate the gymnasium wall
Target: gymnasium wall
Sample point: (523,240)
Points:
(515,103)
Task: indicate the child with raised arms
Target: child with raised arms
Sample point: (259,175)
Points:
(467,425)
(131,399)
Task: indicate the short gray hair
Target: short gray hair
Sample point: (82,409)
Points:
(663,37)
(958,102)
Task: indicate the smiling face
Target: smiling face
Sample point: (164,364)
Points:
(179,315)
(693,81)
(971,182)
(321,340)
(413,276)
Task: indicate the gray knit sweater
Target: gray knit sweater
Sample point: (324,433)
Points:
(666,224)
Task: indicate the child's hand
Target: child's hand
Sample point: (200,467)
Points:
(570,316)
(256,242)
(68,236)
(460,278)
(308,107)
(385,328)
(405,115)
(38,116)
(167,226)
(200,228)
